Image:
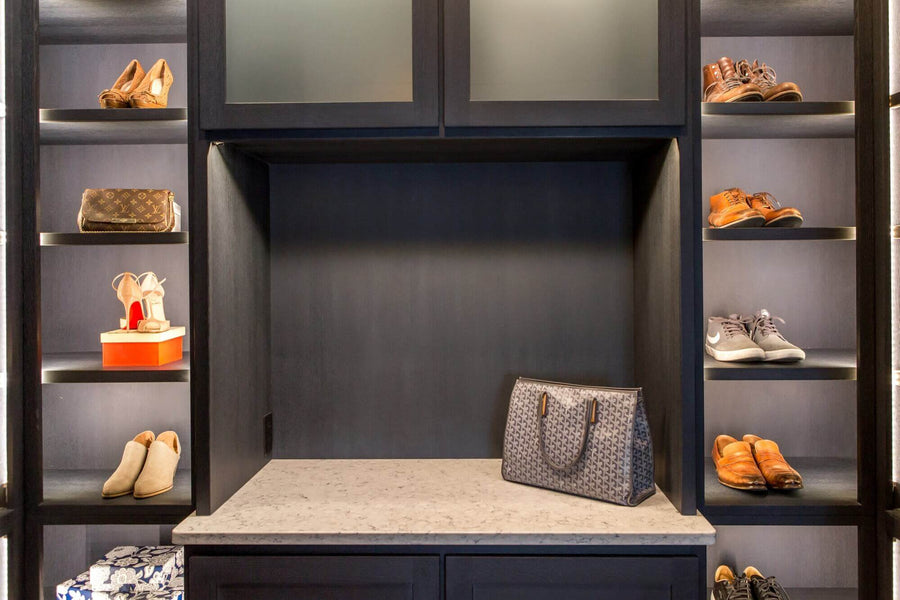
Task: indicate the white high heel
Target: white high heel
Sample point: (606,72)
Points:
(153,292)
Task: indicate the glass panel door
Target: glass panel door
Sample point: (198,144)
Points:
(567,50)
(292,64)
(565,63)
(302,51)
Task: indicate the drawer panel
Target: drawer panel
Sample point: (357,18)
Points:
(314,577)
(572,578)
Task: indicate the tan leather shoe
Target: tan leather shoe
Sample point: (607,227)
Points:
(763,76)
(721,83)
(122,480)
(735,465)
(158,475)
(119,94)
(153,90)
(730,209)
(775,214)
(778,473)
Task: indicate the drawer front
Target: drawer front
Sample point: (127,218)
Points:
(314,577)
(576,578)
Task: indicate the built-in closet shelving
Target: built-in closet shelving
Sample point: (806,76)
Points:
(79,145)
(792,147)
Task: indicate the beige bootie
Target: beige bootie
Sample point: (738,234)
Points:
(158,475)
(122,481)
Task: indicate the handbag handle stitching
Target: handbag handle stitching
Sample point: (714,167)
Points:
(590,417)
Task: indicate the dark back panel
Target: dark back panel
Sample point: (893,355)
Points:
(406,299)
(658,309)
(238,222)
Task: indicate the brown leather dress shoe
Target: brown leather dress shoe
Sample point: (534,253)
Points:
(735,465)
(775,214)
(721,83)
(778,473)
(764,77)
(731,209)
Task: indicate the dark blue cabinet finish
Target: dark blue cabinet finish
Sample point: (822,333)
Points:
(314,578)
(662,576)
(572,578)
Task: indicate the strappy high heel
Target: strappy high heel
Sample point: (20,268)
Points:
(153,91)
(119,95)
(128,291)
(152,292)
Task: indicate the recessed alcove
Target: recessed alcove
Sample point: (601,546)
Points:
(407,283)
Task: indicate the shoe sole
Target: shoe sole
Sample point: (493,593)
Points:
(787,96)
(789,221)
(757,221)
(117,495)
(748,97)
(745,355)
(785,356)
(155,493)
(744,488)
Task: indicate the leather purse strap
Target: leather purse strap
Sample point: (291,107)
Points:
(590,417)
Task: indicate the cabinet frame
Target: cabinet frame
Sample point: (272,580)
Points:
(216,113)
(667,109)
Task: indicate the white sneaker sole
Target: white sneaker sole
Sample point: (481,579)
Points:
(743,355)
(787,355)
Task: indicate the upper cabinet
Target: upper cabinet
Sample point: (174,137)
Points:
(376,63)
(564,63)
(318,63)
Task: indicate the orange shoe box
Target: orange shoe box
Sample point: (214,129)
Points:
(132,349)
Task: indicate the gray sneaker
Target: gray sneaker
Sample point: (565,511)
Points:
(766,335)
(728,340)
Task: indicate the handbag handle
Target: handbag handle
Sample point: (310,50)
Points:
(590,417)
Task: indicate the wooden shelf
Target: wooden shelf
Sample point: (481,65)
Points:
(87,367)
(730,18)
(113,126)
(112,239)
(830,489)
(820,364)
(771,120)
(109,22)
(74,497)
(776,234)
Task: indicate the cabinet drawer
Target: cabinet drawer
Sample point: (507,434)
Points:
(314,577)
(576,578)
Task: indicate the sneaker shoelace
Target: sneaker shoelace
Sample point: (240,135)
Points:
(769,589)
(739,589)
(734,327)
(763,323)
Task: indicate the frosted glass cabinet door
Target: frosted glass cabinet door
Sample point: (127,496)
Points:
(318,63)
(566,62)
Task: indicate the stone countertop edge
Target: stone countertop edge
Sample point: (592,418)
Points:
(426,502)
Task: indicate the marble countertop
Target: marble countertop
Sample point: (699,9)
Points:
(456,501)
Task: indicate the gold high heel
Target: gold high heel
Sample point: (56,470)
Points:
(152,292)
(119,94)
(129,293)
(153,91)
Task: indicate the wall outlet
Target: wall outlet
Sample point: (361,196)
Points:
(268,434)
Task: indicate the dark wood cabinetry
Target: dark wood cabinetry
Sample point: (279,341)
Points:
(576,578)
(463,577)
(315,577)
